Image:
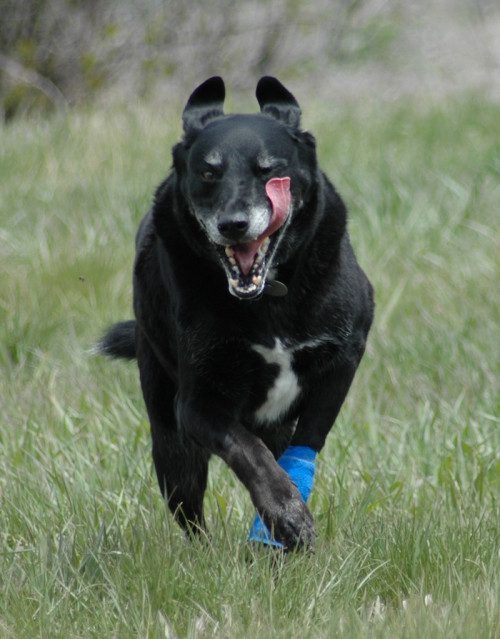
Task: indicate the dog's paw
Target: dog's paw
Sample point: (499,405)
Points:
(293,526)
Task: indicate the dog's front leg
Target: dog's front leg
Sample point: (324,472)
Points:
(321,405)
(319,409)
(275,497)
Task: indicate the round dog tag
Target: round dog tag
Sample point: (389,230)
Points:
(275,288)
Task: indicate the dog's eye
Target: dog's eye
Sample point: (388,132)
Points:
(208,176)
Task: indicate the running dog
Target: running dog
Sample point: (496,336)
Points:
(251,311)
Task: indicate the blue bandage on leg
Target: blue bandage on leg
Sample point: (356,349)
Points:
(259,532)
(299,464)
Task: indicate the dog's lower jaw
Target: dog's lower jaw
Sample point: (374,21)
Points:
(251,285)
(246,285)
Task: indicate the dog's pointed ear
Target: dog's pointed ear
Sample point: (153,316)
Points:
(205,103)
(277,101)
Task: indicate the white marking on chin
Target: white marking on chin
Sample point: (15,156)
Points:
(285,389)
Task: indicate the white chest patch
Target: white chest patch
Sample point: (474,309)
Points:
(285,388)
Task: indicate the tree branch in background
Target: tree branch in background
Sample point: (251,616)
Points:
(28,76)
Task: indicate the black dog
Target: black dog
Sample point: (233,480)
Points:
(251,311)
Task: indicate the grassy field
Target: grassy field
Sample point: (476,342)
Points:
(406,499)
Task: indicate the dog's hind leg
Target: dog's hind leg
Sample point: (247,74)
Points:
(181,469)
(181,466)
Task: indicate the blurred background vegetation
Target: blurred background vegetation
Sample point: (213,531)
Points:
(59,53)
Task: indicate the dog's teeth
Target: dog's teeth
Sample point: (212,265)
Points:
(232,261)
(229,251)
(265,244)
(256,279)
(234,283)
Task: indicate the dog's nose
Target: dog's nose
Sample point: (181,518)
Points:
(233,226)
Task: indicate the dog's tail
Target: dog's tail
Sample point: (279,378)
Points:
(118,341)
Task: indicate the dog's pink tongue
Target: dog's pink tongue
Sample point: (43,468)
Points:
(278,191)
(245,255)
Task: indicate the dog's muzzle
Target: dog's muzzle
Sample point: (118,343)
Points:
(247,264)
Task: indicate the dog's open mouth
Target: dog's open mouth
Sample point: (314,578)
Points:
(247,264)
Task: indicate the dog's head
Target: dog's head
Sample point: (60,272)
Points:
(244,178)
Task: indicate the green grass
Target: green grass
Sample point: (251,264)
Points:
(406,499)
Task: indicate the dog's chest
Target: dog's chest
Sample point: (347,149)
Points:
(285,387)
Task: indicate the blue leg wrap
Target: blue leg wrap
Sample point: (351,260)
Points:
(299,464)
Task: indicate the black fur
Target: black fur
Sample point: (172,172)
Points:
(200,349)
(119,341)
